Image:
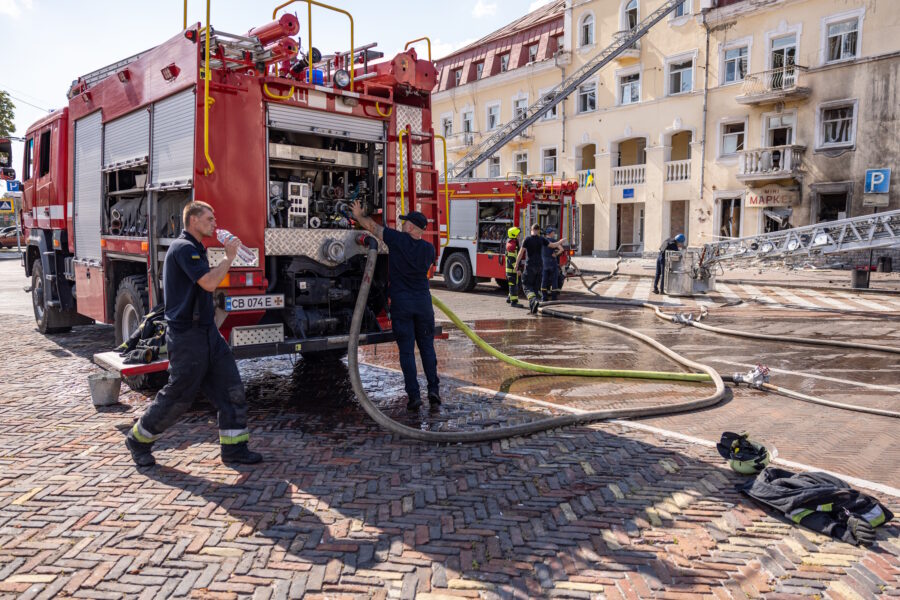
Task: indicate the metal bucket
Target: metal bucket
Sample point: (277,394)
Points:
(859,279)
(104,388)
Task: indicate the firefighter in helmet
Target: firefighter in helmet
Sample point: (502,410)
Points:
(512,276)
(672,244)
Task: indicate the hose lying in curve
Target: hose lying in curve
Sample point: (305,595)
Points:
(607,277)
(525,428)
(767,387)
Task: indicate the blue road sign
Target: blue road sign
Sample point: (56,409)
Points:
(878,181)
(13,186)
(628,193)
(6,206)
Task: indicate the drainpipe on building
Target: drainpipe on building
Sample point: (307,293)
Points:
(705,100)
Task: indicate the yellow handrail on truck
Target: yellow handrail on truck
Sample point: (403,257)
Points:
(309,56)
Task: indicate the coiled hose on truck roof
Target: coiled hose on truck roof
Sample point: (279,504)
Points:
(535,426)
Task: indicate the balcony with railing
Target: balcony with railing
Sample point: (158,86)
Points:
(765,165)
(461,141)
(630,175)
(632,52)
(678,170)
(583,178)
(775,85)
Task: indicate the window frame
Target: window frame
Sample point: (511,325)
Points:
(28,159)
(621,73)
(504,62)
(520,98)
(490,162)
(625,25)
(457,77)
(555,150)
(487,115)
(720,142)
(717,209)
(677,59)
(479,70)
(553,113)
(747,43)
(517,162)
(537,48)
(44,152)
(677,19)
(589,15)
(470,120)
(858,14)
(820,124)
(578,109)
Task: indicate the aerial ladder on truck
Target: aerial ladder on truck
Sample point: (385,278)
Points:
(491,144)
(694,270)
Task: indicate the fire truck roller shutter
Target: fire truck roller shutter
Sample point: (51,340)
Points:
(127,138)
(172,159)
(303,120)
(87,187)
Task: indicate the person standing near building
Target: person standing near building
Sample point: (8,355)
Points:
(532,252)
(412,316)
(512,276)
(550,273)
(671,244)
(199,357)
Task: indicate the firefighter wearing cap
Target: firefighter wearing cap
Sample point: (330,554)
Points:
(412,316)
(532,253)
(512,276)
(550,273)
(670,245)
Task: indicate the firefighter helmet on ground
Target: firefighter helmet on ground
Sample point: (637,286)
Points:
(743,454)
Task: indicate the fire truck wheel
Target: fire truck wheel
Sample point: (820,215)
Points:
(48,319)
(458,273)
(131,306)
(323,356)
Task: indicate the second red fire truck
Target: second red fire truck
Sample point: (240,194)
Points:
(481,212)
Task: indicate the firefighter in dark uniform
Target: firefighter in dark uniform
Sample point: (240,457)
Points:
(199,357)
(671,244)
(550,274)
(532,252)
(412,316)
(512,276)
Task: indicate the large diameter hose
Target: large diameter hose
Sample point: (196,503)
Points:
(855,408)
(525,428)
(572,371)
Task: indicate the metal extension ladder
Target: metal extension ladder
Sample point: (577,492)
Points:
(489,146)
(831,237)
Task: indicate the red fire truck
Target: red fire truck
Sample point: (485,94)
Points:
(277,146)
(481,212)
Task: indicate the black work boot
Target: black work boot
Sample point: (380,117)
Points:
(414,402)
(434,399)
(140,451)
(239,454)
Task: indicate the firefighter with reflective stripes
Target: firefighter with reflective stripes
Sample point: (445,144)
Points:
(512,276)
(199,357)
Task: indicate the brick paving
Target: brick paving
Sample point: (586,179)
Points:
(343,510)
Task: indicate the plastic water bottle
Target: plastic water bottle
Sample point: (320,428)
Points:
(244,253)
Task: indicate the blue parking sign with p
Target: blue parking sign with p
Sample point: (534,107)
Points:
(878,181)
(12,186)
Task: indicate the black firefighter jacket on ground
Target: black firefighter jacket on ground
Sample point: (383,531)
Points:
(817,501)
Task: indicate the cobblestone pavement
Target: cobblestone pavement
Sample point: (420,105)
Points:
(343,510)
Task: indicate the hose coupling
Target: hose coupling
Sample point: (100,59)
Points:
(364,239)
(754,378)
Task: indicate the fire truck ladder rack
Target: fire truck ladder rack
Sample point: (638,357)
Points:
(856,233)
(100,74)
(490,145)
(421,196)
(237,50)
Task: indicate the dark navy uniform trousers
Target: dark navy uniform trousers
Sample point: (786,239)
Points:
(412,319)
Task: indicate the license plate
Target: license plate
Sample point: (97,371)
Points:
(263,302)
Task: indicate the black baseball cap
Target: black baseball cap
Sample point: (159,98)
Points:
(416,218)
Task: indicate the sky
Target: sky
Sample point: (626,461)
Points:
(46,44)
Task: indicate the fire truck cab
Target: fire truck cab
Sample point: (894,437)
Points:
(278,146)
(481,212)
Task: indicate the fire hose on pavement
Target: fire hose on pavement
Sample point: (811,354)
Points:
(534,426)
(760,336)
